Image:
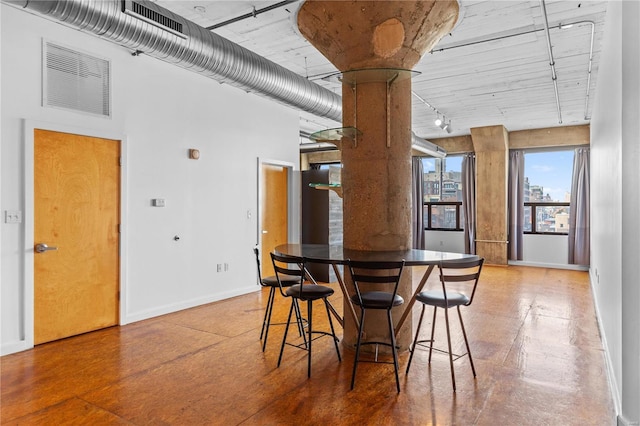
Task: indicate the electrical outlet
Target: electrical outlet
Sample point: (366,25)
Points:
(219,267)
(226,267)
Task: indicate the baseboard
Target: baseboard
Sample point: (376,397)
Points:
(549,265)
(13,347)
(187,304)
(621,421)
(613,385)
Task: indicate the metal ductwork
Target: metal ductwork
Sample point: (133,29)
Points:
(144,27)
(159,33)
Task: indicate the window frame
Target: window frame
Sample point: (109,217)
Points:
(534,205)
(430,204)
(440,184)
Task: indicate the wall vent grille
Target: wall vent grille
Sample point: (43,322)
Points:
(140,11)
(76,81)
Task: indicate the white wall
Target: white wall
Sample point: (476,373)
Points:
(615,202)
(550,251)
(161,111)
(451,241)
(545,250)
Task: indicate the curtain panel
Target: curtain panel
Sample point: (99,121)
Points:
(417,190)
(469,202)
(579,217)
(516,204)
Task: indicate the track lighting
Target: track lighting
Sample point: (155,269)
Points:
(440,122)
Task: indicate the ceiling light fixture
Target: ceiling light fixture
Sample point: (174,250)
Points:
(448,127)
(438,121)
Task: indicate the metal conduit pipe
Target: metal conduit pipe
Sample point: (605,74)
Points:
(199,50)
(552,62)
(559,26)
(252,14)
(586,101)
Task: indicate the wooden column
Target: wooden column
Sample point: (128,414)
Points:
(491,145)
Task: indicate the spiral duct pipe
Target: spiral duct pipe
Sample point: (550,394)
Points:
(197,49)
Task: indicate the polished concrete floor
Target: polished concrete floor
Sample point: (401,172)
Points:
(533,334)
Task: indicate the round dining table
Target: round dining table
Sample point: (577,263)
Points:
(336,255)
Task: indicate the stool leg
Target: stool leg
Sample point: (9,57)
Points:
(466,342)
(333,332)
(433,329)
(453,374)
(355,360)
(303,334)
(286,329)
(393,348)
(266,322)
(309,313)
(415,340)
(300,324)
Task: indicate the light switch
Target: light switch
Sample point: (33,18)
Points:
(12,216)
(158,202)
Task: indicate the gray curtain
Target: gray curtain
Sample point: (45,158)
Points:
(579,228)
(469,202)
(516,204)
(417,190)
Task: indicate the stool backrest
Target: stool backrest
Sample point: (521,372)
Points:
(288,266)
(461,276)
(366,275)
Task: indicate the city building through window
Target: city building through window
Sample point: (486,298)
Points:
(443,193)
(547,191)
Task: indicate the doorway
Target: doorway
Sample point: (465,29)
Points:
(76,235)
(274,209)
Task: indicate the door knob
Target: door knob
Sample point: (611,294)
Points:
(41,248)
(265,232)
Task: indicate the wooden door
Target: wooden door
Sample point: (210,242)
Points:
(274,212)
(77,210)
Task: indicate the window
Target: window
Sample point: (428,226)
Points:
(547,192)
(443,193)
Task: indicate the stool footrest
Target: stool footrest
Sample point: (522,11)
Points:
(304,345)
(421,343)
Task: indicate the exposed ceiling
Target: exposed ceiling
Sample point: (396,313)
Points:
(493,68)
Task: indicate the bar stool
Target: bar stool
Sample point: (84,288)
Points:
(305,292)
(272,283)
(376,274)
(452,272)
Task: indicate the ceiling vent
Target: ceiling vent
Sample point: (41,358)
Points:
(153,17)
(75,80)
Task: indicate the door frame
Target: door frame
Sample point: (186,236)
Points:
(27,326)
(293,201)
